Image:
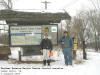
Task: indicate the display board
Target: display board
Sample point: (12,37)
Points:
(25,35)
(32,35)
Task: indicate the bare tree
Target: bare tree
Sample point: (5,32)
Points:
(81,26)
(7,4)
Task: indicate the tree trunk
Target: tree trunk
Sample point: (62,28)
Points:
(96,47)
(84,52)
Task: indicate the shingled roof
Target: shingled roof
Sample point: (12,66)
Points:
(33,17)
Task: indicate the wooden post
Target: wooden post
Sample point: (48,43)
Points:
(19,53)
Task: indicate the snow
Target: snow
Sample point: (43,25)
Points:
(88,67)
(42,11)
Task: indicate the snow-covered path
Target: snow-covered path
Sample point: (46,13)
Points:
(88,67)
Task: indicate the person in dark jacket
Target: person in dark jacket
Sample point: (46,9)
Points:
(46,47)
(67,45)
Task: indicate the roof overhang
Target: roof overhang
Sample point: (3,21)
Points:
(33,17)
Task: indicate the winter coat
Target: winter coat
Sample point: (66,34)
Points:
(46,44)
(68,42)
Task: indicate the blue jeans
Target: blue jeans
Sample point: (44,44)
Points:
(67,55)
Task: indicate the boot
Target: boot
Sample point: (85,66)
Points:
(44,62)
(48,61)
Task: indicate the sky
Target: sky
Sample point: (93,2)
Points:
(71,6)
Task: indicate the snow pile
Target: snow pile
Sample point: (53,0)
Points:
(57,55)
(14,53)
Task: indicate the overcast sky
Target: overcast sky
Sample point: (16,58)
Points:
(71,6)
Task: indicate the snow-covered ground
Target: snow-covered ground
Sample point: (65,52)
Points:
(88,67)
